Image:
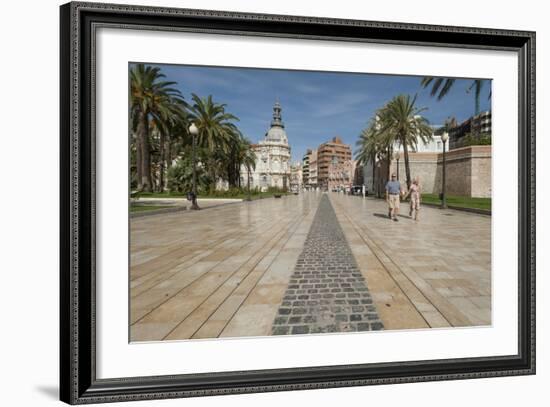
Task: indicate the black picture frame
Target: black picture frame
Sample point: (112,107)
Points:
(78,382)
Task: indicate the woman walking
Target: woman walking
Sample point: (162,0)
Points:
(414,192)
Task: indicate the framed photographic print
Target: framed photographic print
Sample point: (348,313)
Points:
(255,203)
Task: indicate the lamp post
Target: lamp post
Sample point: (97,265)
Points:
(444,138)
(397,156)
(194,131)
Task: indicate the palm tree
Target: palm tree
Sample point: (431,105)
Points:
(170,124)
(369,149)
(477,85)
(151,98)
(400,121)
(442,86)
(248,159)
(242,155)
(232,158)
(216,129)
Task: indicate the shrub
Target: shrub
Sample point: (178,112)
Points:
(180,177)
(483,139)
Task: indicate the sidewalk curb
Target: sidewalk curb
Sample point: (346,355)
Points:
(460,208)
(157,211)
(484,212)
(185,209)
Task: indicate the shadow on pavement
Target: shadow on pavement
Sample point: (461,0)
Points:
(385,216)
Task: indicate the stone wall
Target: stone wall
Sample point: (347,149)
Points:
(423,166)
(481,172)
(468,171)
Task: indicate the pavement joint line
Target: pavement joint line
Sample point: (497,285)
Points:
(274,240)
(201,275)
(187,285)
(432,296)
(157,283)
(295,228)
(375,250)
(196,257)
(267,268)
(379,257)
(218,241)
(166,274)
(198,214)
(436,297)
(257,227)
(388,273)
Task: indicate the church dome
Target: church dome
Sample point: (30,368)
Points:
(277,131)
(276,134)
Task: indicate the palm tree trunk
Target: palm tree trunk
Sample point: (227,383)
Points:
(478,85)
(143,136)
(162,142)
(373,174)
(169,158)
(476,132)
(238,172)
(146,160)
(138,160)
(212,172)
(234,171)
(229,171)
(248,182)
(407,167)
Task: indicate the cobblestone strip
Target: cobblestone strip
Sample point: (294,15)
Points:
(326,292)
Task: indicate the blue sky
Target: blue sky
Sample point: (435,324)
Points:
(316,105)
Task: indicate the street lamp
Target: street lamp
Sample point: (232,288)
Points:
(397,156)
(444,138)
(194,131)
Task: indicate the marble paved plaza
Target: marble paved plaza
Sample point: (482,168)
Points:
(239,269)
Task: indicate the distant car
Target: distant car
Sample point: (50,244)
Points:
(358,190)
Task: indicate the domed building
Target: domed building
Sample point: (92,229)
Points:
(272,157)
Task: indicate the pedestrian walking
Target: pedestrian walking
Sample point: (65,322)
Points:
(393,193)
(414,192)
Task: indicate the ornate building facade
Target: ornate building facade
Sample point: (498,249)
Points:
(296,177)
(341,175)
(272,157)
(309,169)
(332,153)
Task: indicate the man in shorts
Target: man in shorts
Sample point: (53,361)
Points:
(393,193)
